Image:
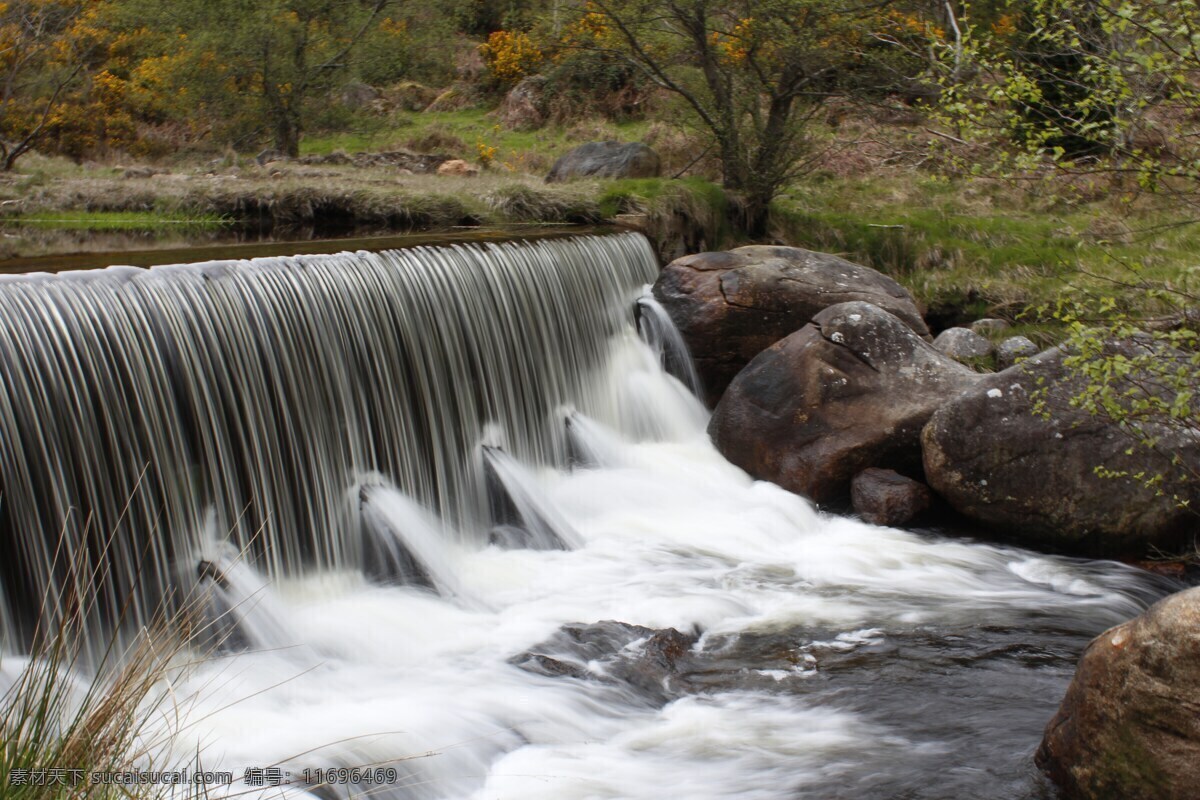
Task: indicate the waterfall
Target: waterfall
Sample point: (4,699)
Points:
(141,407)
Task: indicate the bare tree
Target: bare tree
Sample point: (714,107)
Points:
(39,62)
(754,72)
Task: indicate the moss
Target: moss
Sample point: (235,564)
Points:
(115,220)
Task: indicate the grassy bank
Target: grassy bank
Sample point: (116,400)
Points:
(337,200)
(981,248)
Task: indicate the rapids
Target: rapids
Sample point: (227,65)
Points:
(494,452)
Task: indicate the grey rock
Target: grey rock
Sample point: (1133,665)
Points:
(729,306)
(885,497)
(606,160)
(963,344)
(989,325)
(848,391)
(1014,349)
(1129,726)
(357,95)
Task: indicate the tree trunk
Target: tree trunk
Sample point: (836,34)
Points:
(758,216)
(740,179)
(287,136)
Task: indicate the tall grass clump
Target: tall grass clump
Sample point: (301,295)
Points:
(75,707)
(61,723)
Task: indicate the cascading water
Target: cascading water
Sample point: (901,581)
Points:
(138,403)
(414,486)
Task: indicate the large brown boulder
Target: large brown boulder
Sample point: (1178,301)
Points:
(848,391)
(1129,726)
(730,306)
(993,459)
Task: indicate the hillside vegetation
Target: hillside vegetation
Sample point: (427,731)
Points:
(986,154)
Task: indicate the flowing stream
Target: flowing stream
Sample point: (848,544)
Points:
(441,505)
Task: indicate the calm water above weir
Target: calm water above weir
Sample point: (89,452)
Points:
(430,461)
(57,249)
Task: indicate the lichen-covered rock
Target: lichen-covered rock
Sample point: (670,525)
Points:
(729,306)
(1129,726)
(607,160)
(849,391)
(963,344)
(1014,349)
(885,497)
(1035,478)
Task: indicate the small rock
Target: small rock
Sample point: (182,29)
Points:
(1129,726)
(458,168)
(988,325)
(962,344)
(1014,349)
(885,497)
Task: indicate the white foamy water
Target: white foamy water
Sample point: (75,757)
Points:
(671,535)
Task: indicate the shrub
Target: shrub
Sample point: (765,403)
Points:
(510,56)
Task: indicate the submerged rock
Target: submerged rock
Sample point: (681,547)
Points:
(849,391)
(730,306)
(1129,726)
(963,344)
(606,160)
(646,659)
(885,497)
(1034,478)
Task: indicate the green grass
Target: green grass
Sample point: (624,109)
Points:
(114,220)
(471,128)
(984,248)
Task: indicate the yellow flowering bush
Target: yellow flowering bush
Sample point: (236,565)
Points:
(510,56)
